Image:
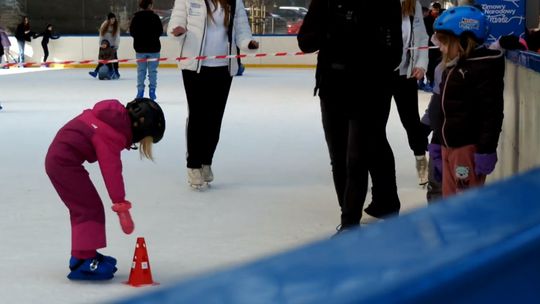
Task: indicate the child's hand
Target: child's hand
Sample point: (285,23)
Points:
(122,209)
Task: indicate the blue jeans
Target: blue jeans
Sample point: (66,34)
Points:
(147,66)
(21,50)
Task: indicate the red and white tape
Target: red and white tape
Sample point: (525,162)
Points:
(257,55)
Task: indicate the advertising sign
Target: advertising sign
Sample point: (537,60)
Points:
(506,17)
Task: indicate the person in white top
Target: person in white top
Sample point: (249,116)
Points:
(207,28)
(404,83)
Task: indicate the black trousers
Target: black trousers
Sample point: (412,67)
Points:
(45,51)
(405,92)
(207,94)
(434,59)
(357,146)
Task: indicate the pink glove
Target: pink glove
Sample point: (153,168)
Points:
(126,222)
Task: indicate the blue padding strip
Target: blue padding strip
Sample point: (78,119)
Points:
(482,246)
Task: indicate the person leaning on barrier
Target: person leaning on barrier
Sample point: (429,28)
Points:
(354,125)
(467,120)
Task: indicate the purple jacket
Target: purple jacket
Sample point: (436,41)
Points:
(4,38)
(98,134)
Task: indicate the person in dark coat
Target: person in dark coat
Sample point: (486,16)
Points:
(146,28)
(355,126)
(467,120)
(23,34)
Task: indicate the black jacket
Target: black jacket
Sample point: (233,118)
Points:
(47,35)
(146,28)
(20,34)
(470,110)
(334,27)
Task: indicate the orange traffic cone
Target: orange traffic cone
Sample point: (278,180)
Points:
(140,269)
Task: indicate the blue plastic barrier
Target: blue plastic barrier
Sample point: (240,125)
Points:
(529,59)
(479,247)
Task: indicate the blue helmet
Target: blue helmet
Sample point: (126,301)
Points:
(463,19)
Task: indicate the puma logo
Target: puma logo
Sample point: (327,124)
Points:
(463,72)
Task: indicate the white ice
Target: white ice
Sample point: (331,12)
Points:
(272,192)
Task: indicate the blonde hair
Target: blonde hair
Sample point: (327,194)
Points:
(145,147)
(408,8)
(461,47)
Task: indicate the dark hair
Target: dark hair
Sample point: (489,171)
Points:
(111,15)
(106,42)
(436,5)
(144,4)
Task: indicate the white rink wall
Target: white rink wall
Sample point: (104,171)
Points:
(86,47)
(519,143)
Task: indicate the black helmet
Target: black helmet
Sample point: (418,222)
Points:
(147,119)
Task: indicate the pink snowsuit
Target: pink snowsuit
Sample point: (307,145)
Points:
(97,134)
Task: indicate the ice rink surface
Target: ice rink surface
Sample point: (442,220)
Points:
(272,191)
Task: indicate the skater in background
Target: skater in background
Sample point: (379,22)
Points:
(99,134)
(47,34)
(434,55)
(216,27)
(146,28)
(23,34)
(110,31)
(106,52)
(5,45)
(468,119)
(355,126)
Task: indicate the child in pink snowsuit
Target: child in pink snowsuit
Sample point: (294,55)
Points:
(99,134)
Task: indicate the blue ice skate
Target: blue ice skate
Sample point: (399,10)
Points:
(107,259)
(91,269)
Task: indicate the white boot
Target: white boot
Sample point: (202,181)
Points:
(422,169)
(195,178)
(207,173)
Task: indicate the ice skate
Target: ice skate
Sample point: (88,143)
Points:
(106,258)
(422,170)
(195,178)
(207,174)
(91,269)
(368,219)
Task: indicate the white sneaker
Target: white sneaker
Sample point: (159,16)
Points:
(368,219)
(207,173)
(195,178)
(422,169)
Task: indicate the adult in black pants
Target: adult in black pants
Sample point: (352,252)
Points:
(47,34)
(355,126)
(215,28)
(403,85)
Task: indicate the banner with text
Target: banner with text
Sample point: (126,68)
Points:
(506,17)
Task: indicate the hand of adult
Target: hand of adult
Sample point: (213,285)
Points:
(253,45)
(418,73)
(177,31)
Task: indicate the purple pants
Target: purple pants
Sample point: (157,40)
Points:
(72,182)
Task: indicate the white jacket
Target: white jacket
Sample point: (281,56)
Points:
(192,15)
(416,58)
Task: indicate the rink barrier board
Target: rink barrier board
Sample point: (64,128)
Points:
(519,143)
(478,247)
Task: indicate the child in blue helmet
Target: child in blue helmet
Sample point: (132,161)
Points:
(467,119)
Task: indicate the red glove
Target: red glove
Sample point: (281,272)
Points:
(126,222)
